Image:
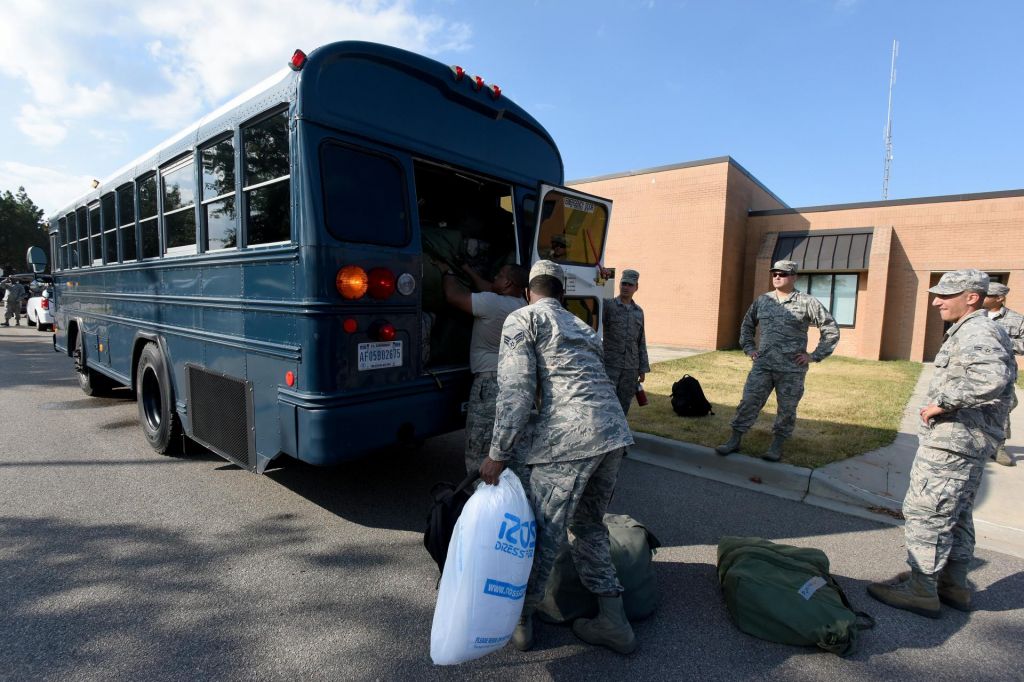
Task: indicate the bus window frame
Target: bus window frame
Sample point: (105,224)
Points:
(121,225)
(185,249)
(139,181)
(112,194)
(241,171)
(232,136)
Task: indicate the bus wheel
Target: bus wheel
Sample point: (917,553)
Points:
(90,381)
(155,398)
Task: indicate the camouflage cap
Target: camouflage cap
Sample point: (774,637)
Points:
(546,267)
(998,289)
(630,277)
(961,280)
(787,266)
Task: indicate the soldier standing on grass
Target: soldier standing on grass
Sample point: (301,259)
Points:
(625,345)
(961,427)
(573,459)
(1013,323)
(781,358)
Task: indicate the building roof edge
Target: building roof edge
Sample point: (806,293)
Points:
(1001,194)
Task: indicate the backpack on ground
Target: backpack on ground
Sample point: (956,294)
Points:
(444,513)
(785,594)
(688,398)
(632,548)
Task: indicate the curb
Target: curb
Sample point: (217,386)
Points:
(773,478)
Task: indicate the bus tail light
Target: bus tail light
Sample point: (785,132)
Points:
(298,60)
(44,303)
(384,331)
(352,282)
(350,325)
(381,283)
(289,378)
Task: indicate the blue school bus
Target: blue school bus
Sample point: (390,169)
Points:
(267,281)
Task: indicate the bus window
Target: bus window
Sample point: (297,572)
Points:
(587,309)
(95,234)
(266,180)
(179,208)
(62,243)
(219,213)
(109,228)
(572,230)
(364,196)
(126,217)
(82,219)
(147,218)
(72,241)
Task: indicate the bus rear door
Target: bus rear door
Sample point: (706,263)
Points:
(572,229)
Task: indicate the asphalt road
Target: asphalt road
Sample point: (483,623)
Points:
(117,563)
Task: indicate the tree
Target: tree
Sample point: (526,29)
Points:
(21,226)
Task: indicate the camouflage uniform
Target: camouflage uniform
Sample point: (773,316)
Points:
(1013,323)
(783,326)
(15,292)
(625,348)
(974,376)
(575,445)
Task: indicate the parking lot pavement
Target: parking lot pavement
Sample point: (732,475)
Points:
(118,563)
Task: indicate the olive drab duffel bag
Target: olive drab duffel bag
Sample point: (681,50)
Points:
(632,548)
(785,594)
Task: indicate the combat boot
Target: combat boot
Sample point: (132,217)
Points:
(774,451)
(731,445)
(953,588)
(610,629)
(913,591)
(1003,457)
(522,636)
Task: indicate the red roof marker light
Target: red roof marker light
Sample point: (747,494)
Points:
(458,72)
(298,60)
(478,82)
(495,92)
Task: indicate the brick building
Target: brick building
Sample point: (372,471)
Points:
(704,234)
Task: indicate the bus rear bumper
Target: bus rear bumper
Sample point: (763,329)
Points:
(329,430)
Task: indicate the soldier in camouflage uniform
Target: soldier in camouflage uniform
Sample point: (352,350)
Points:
(625,345)
(1013,323)
(576,440)
(961,426)
(489,308)
(781,358)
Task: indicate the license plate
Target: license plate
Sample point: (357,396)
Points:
(380,355)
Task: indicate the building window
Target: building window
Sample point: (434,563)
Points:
(837,292)
(266,181)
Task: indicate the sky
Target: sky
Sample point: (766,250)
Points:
(796,91)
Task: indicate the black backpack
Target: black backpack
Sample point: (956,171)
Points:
(688,398)
(448,503)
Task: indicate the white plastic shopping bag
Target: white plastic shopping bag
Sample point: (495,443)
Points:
(484,579)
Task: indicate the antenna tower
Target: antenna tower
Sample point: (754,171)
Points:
(888,123)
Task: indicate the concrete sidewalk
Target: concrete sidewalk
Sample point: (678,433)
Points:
(871,485)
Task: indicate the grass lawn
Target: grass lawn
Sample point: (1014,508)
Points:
(849,406)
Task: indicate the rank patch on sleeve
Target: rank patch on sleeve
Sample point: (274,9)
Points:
(513,341)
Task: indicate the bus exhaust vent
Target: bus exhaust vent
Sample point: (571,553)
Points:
(220,410)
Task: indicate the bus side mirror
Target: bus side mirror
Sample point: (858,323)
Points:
(36,259)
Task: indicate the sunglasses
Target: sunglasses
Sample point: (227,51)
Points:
(783,274)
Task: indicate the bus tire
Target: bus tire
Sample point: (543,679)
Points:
(155,398)
(90,381)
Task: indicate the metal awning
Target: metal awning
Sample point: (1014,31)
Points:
(826,250)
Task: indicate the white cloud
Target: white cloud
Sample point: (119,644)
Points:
(165,63)
(51,190)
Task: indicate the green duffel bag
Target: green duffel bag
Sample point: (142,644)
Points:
(632,548)
(785,594)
